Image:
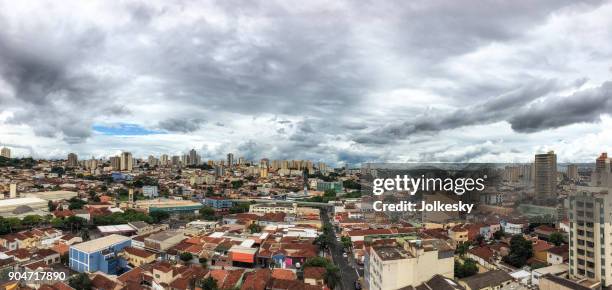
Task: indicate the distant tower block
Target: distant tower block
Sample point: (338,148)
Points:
(13,190)
(131,197)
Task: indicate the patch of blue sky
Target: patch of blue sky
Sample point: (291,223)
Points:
(124,129)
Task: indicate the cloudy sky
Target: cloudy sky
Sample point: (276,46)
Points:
(335,81)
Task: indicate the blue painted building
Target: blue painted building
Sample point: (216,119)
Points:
(99,255)
(218,203)
(118,176)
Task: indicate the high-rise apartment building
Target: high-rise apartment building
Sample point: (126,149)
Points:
(545,175)
(163,160)
(72,161)
(590,254)
(602,164)
(193,158)
(264,165)
(115,162)
(602,176)
(152,161)
(230,160)
(5,152)
(176,160)
(91,164)
(127,162)
(572,172)
(322,167)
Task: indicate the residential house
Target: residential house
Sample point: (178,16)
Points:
(496,279)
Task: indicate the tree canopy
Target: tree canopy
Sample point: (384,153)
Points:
(520,251)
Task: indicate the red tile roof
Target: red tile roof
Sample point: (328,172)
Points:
(283,274)
(316,273)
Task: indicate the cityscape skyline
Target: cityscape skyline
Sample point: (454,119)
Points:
(158,77)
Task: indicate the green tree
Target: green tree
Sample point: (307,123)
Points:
(31,220)
(57,222)
(322,241)
(204,262)
(351,184)
(479,240)
(465,269)
(499,234)
(186,257)
(520,251)
(462,248)
(85,235)
(75,223)
(254,228)
(237,184)
(239,208)
(76,203)
(556,238)
(330,193)
(208,213)
(346,242)
(159,216)
(209,284)
(81,281)
(332,272)
(51,206)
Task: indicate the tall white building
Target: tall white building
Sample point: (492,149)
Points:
(602,176)
(72,160)
(127,162)
(163,160)
(545,175)
(193,158)
(152,161)
(5,152)
(590,255)
(590,240)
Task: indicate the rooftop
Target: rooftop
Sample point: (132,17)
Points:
(115,228)
(487,279)
(20,201)
(388,253)
(100,243)
(165,235)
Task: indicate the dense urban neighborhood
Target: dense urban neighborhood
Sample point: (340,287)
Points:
(178,222)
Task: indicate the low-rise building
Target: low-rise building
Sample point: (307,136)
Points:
(496,279)
(273,208)
(410,264)
(150,191)
(137,257)
(218,203)
(162,241)
(98,255)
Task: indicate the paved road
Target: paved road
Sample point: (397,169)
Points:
(348,274)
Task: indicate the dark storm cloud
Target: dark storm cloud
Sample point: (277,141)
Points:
(354,126)
(53,97)
(493,109)
(582,107)
(181,125)
(440,29)
(467,154)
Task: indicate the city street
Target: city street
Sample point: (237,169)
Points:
(347,273)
